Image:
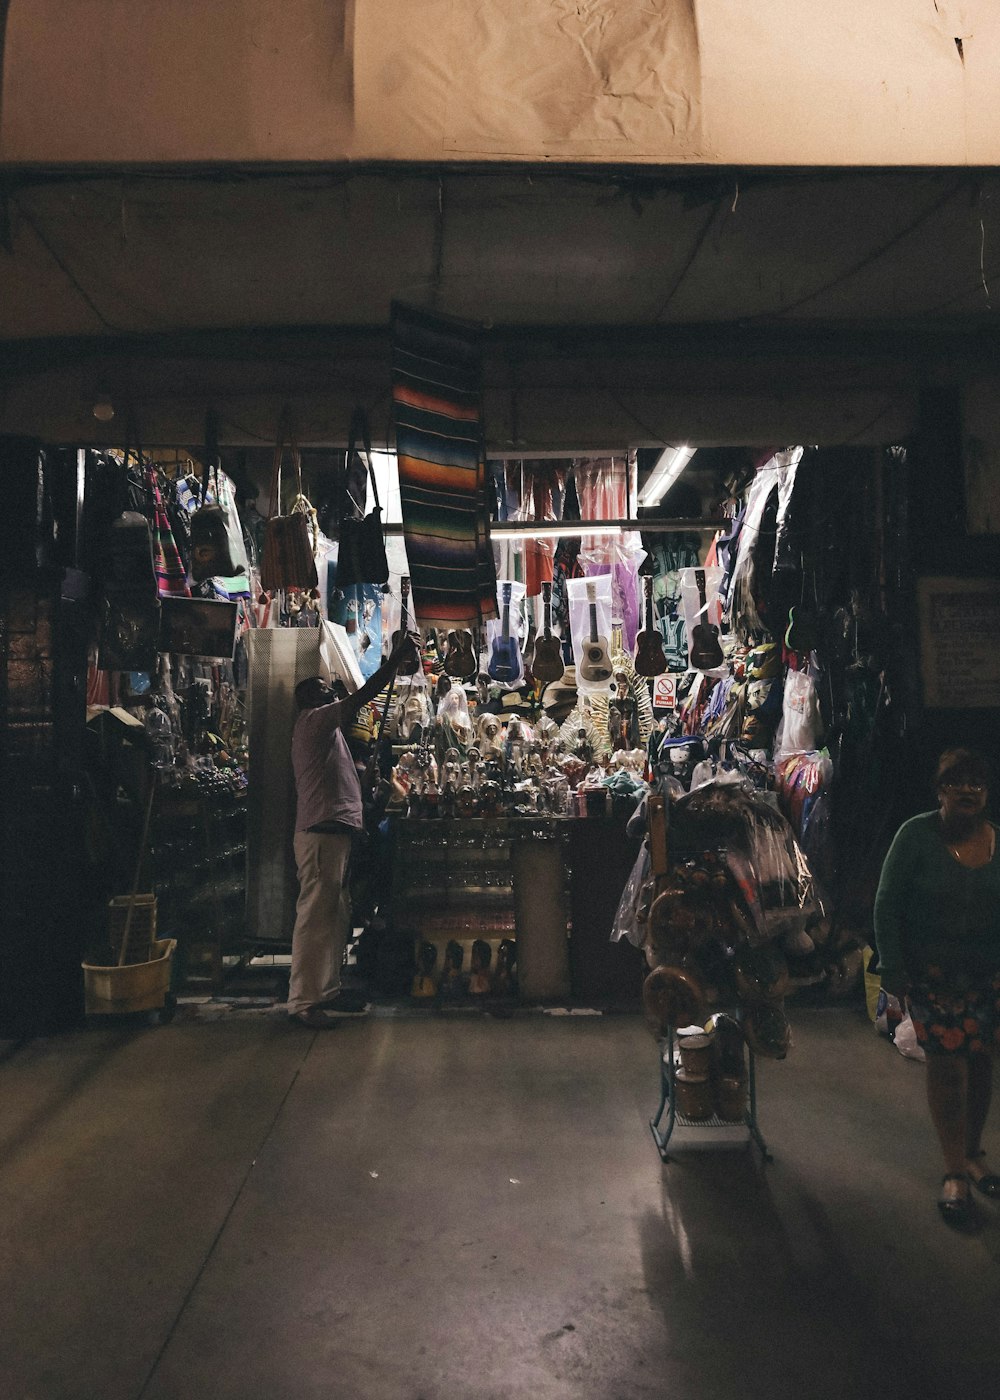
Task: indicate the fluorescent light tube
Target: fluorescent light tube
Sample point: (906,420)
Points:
(551,531)
(669,465)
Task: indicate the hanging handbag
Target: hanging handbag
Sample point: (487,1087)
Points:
(288,561)
(211,556)
(130,604)
(362,556)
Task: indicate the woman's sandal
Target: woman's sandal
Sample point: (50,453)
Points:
(956,1208)
(988,1183)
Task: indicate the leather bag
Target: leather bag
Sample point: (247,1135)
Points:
(362,557)
(289,560)
(211,556)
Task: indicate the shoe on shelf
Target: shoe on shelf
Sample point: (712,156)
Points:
(985,1181)
(954,1202)
(313,1018)
(349,1001)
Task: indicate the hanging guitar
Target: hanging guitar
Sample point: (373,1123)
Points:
(548,662)
(505,664)
(650,658)
(802,632)
(706,653)
(409,665)
(595,664)
(461,658)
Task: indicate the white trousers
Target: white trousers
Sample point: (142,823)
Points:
(322,917)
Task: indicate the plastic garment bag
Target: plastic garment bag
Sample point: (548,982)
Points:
(606,485)
(771,488)
(626,924)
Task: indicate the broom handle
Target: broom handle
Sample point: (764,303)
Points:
(138,875)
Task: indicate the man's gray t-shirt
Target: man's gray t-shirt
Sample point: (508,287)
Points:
(326,780)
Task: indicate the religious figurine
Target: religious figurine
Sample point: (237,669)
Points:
(451,977)
(423,980)
(479,981)
(505,976)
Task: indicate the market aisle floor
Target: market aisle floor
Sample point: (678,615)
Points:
(448,1209)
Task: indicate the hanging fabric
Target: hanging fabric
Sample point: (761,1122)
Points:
(171,575)
(603,484)
(436,390)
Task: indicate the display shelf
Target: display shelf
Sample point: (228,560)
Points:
(456,878)
(198,860)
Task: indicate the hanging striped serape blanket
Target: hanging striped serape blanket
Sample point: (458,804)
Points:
(437,391)
(171,575)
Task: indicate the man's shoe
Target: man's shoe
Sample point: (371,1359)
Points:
(347,1002)
(313,1018)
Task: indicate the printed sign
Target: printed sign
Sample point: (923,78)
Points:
(959,626)
(665,693)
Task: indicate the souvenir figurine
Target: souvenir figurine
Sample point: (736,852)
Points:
(423,980)
(479,981)
(505,976)
(451,976)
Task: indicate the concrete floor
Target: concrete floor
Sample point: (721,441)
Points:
(448,1208)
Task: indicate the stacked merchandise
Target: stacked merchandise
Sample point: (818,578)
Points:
(720,925)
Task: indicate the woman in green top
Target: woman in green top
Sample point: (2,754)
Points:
(937,927)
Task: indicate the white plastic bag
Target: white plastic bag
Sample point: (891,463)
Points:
(905,1040)
(888,1013)
(590,628)
(801,724)
(504,635)
(892,1020)
(702,618)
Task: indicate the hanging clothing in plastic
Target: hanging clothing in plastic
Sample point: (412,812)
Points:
(757,551)
(605,487)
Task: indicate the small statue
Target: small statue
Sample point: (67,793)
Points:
(479,981)
(505,976)
(451,977)
(423,981)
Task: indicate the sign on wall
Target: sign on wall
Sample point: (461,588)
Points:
(665,693)
(959,655)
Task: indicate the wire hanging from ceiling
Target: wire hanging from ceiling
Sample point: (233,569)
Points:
(867,260)
(68,273)
(689,263)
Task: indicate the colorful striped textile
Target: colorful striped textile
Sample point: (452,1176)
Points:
(171,575)
(436,390)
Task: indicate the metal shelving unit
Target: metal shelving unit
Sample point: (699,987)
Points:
(676,1119)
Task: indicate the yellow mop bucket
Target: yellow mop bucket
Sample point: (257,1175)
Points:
(130,986)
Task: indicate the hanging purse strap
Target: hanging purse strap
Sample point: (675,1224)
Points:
(211,463)
(360,430)
(286,434)
(132,439)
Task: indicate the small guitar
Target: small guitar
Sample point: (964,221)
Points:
(505,664)
(650,658)
(548,662)
(460,658)
(706,654)
(802,632)
(595,664)
(409,666)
